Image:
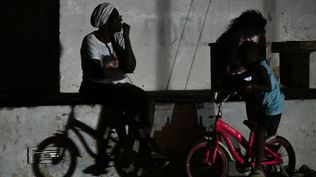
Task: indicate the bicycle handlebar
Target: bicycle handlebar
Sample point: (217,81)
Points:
(221,96)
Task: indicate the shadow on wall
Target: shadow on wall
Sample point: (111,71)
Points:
(178,135)
(62,149)
(163,9)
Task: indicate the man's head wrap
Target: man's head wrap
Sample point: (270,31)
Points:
(101,14)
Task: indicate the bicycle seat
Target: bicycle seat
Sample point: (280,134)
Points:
(252,125)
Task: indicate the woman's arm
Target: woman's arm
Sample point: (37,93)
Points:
(128,60)
(263,83)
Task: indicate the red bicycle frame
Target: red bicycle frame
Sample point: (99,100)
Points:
(222,130)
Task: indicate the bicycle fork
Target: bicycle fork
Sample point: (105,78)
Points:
(211,151)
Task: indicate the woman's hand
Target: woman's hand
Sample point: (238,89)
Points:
(126,28)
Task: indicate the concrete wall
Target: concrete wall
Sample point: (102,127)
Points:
(167,32)
(164,32)
(23,128)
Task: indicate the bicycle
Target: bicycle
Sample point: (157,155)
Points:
(209,157)
(57,155)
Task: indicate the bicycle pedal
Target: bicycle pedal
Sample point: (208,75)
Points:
(241,168)
(129,169)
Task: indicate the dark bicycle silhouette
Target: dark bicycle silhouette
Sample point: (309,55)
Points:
(57,155)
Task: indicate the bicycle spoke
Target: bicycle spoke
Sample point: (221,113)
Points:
(50,160)
(198,167)
(284,149)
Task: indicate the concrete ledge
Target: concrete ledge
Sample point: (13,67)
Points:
(29,100)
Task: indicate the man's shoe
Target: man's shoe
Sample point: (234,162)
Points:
(304,169)
(126,158)
(95,170)
(149,147)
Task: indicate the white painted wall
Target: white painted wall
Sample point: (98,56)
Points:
(173,31)
(164,32)
(21,128)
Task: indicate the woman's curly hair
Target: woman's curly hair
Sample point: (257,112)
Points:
(248,24)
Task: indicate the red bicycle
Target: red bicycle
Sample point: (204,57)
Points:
(210,157)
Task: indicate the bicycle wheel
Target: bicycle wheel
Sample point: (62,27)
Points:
(195,167)
(282,147)
(54,157)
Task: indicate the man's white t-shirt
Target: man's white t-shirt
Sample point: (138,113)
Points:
(93,49)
